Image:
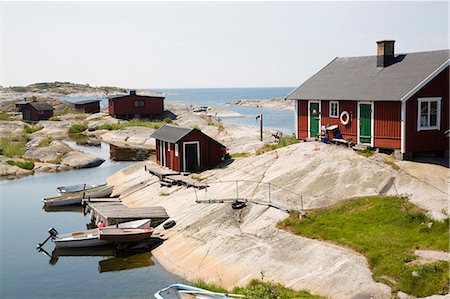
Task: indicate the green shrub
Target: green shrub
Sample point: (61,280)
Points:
(131,123)
(366,153)
(168,120)
(77,128)
(284,141)
(240,155)
(29,165)
(31,129)
(5,116)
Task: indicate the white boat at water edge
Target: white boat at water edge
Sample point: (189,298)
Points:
(75,198)
(182,291)
(90,238)
(77,188)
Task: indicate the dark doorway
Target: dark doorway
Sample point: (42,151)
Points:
(191,156)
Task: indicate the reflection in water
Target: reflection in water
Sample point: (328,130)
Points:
(134,261)
(82,139)
(71,208)
(128,154)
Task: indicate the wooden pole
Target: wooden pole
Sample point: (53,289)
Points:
(261,126)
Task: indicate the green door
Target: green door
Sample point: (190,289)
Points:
(26,114)
(314,118)
(365,123)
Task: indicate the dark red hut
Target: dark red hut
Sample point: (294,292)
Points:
(34,111)
(132,105)
(184,149)
(88,106)
(390,101)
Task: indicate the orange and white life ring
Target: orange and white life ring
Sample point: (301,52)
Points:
(345,118)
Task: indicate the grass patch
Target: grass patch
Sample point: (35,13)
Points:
(29,165)
(78,138)
(386,230)
(392,164)
(67,111)
(240,155)
(54,118)
(284,141)
(31,129)
(45,142)
(258,289)
(77,128)
(366,153)
(5,116)
(131,123)
(13,147)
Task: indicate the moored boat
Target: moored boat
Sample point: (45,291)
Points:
(182,291)
(124,235)
(90,238)
(77,188)
(75,198)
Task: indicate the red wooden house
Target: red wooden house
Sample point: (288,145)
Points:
(390,101)
(133,105)
(87,106)
(34,111)
(185,149)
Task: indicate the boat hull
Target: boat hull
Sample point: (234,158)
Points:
(176,291)
(77,188)
(124,235)
(75,198)
(90,238)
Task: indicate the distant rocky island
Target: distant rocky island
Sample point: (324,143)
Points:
(275,103)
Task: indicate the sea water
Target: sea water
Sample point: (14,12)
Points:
(280,120)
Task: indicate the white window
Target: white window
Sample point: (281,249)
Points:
(429,114)
(334,109)
(176,150)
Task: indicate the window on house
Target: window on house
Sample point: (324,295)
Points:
(138,103)
(334,109)
(429,114)
(176,149)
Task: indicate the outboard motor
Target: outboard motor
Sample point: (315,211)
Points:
(53,233)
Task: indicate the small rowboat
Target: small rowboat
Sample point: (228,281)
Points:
(90,237)
(124,235)
(182,291)
(77,188)
(75,198)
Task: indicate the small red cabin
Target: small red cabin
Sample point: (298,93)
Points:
(389,101)
(133,105)
(34,111)
(88,106)
(184,149)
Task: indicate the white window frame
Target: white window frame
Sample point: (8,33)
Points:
(176,149)
(337,109)
(438,116)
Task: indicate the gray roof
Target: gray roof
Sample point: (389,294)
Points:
(359,78)
(170,133)
(85,102)
(42,106)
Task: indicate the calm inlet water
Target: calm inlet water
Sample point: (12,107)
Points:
(273,119)
(26,273)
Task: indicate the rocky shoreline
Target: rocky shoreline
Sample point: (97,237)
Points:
(276,103)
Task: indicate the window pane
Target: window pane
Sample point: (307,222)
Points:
(424,114)
(433,113)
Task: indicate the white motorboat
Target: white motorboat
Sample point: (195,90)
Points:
(90,237)
(182,291)
(76,197)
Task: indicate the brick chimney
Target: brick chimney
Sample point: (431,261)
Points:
(385,53)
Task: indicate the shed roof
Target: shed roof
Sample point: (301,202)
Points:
(359,78)
(173,134)
(135,96)
(41,106)
(85,102)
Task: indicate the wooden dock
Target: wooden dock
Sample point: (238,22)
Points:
(115,212)
(84,201)
(159,171)
(169,177)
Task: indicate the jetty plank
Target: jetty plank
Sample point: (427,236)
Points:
(159,171)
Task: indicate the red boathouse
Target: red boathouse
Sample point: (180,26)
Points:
(185,149)
(87,106)
(389,101)
(133,105)
(34,111)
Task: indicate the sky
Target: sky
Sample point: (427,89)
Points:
(203,44)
